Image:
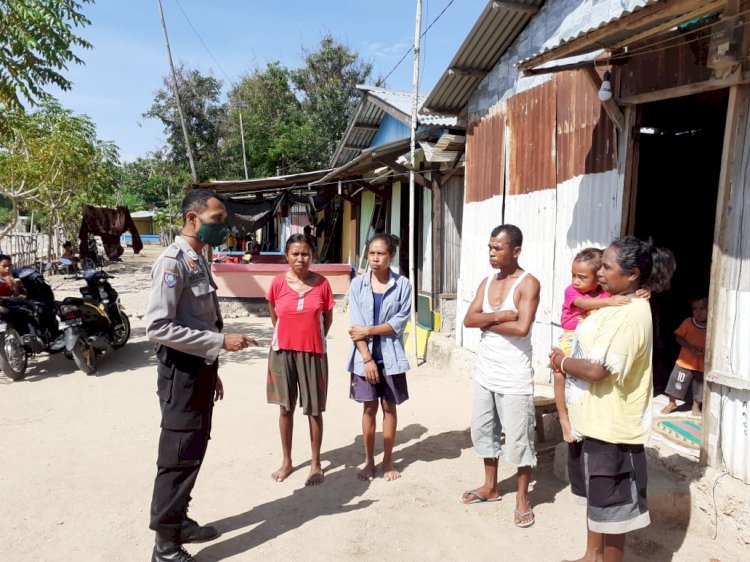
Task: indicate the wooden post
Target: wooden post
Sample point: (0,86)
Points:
(627,166)
(437,242)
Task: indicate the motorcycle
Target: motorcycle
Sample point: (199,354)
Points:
(93,323)
(28,325)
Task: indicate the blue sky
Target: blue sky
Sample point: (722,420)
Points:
(128,60)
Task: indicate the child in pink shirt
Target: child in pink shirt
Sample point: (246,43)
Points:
(581,297)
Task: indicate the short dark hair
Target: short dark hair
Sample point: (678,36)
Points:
(698,297)
(390,240)
(67,244)
(297,239)
(655,265)
(590,255)
(514,234)
(196,200)
(4,257)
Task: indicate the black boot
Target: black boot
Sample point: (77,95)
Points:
(192,532)
(169,551)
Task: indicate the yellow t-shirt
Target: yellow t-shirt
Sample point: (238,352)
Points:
(618,408)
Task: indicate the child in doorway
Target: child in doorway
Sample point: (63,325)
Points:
(688,370)
(582,296)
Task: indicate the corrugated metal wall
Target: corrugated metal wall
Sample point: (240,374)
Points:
(564,193)
(453,206)
(729,309)
(485,149)
(532,160)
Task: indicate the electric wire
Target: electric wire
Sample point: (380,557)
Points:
(410,49)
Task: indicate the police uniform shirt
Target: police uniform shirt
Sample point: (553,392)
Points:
(183,309)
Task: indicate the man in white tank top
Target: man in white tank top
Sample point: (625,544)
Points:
(504,309)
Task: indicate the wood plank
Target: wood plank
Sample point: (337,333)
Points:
(687,89)
(627,166)
(437,242)
(610,106)
(395,166)
(366,127)
(665,8)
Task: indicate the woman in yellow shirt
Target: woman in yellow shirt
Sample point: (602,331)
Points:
(609,391)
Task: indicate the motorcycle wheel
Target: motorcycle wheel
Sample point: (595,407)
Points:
(122,334)
(12,355)
(84,356)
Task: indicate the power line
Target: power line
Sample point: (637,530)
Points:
(409,50)
(198,35)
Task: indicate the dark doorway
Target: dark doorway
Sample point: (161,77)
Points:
(679,160)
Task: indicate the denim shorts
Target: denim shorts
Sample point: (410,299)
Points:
(512,414)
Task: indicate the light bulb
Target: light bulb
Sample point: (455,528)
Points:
(605,91)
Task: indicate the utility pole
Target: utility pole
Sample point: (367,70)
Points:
(412,198)
(193,173)
(242,136)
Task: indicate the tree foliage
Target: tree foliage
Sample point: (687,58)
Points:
(38,39)
(52,162)
(200,95)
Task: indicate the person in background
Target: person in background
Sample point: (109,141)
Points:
(504,309)
(688,370)
(9,286)
(379,308)
(300,302)
(612,402)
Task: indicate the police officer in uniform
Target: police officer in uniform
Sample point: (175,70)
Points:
(184,320)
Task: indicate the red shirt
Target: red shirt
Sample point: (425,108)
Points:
(7,287)
(299,316)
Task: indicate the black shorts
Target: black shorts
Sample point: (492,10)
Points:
(681,379)
(615,479)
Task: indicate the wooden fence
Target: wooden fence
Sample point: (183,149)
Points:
(26,248)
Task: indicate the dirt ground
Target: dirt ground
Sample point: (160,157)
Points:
(78,460)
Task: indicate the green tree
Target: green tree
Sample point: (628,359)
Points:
(148,182)
(274,124)
(200,95)
(327,83)
(37,43)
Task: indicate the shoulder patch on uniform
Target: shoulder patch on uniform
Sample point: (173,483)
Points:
(171,278)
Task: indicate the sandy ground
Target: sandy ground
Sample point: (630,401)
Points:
(78,460)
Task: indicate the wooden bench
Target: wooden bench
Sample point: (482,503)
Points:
(544,403)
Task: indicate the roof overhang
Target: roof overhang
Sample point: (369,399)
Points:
(614,36)
(274,183)
(496,29)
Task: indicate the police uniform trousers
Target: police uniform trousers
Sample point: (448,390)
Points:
(185,385)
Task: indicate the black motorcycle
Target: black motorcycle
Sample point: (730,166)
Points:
(94,323)
(28,325)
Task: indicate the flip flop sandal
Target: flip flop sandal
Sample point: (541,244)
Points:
(521,515)
(478,498)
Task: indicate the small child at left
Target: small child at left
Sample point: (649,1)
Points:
(9,286)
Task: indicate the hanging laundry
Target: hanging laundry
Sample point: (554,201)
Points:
(110,224)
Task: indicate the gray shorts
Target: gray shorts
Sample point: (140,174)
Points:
(512,414)
(681,379)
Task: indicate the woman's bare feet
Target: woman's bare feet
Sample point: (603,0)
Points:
(390,472)
(315,477)
(367,474)
(696,410)
(281,474)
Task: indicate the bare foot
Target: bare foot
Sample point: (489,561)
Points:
(315,477)
(480,495)
(696,411)
(390,473)
(367,474)
(669,408)
(281,474)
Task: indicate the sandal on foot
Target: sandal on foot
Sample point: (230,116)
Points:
(478,498)
(520,515)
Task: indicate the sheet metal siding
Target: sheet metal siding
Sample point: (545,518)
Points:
(485,158)
(391,129)
(735,424)
(586,139)
(453,206)
(478,221)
